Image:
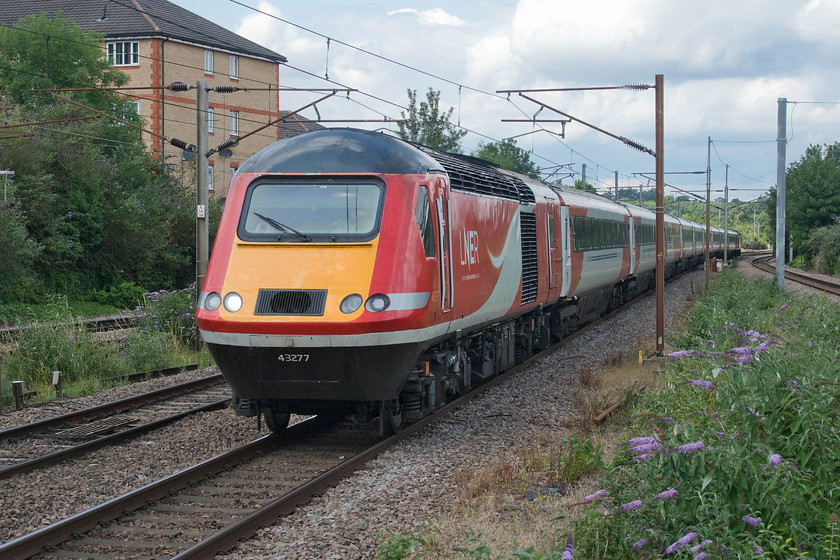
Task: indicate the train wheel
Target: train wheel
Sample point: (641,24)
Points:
(276,421)
(391,417)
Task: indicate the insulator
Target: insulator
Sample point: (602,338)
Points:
(225,89)
(227,144)
(179,86)
(636,145)
(636,86)
(183,145)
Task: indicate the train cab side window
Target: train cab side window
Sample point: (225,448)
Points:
(423,213)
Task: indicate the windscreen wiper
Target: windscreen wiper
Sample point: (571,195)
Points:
(281,226)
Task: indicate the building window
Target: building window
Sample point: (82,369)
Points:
(211,184)
(234,67)
(234,123)
(211,114)
(124,53)
(135,105)
(208,62)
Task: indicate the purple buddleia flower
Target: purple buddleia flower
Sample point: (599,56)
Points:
(696,446)
(646,448)
(752,521)
(596,496)
(640,544)
(775,460)
(666,419)
(753,412)
(640,441)
(567,552)
(740,351)
(758,550)
(630,506)
(764,346)
(721,435)
(743,359)
(682,354)
(782,308)
(688,538)
(666,495)
(696,548)
(710,343)
(794,384)
(701,556)
(642,457)
(700,383)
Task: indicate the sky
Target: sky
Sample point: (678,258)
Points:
(725,64)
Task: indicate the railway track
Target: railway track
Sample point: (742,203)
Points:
(47,442)
(208,508)
(93,324)
(763,263)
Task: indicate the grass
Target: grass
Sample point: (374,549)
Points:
(59,307)
(164,337)
(744,454)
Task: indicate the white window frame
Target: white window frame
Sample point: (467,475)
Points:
(234,123)
(234,67)
(136,106)
(208,62)
(211,183)
(211,115)
(117,55)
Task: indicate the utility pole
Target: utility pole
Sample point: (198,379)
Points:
(708,206)
(726,218)
(660,215)
(781,148)
(6,174)
(616,186)
(202,242)
(583,176)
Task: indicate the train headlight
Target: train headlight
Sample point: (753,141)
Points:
(377,303)
(213,301)
(351,303)
(233,302)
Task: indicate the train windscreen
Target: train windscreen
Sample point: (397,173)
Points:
(307,211)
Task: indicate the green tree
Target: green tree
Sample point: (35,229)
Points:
(99,209)
(507,155)
(43,53)
(429,126)
(17,254)
(812,193)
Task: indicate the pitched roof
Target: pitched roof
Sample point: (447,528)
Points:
(139,18)
(295,125)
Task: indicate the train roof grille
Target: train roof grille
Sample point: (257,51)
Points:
(469,174)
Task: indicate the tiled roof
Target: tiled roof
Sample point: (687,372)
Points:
(139,18)
(296,125)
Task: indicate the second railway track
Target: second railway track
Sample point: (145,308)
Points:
(828,286)
(46,442)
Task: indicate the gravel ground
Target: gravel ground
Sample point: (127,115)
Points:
(401,490)
(416,480)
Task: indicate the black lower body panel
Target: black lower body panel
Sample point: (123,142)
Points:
(371,373)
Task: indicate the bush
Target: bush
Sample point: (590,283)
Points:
(739,453)
(824,249)
(126,295)
(171,312)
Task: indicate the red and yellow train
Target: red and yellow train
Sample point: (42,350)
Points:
(355,272)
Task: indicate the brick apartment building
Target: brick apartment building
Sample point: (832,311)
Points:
(157,43)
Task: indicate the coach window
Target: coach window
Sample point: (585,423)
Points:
(423,213)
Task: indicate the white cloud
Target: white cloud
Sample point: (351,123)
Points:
(433,17)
